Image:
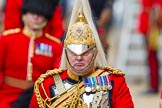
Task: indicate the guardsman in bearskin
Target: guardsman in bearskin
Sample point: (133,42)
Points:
(150,22)
(83,79)
(13,18)
(27,53)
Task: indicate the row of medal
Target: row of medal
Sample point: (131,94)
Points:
(98,83)
(43,49)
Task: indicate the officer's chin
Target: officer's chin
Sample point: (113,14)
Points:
(82,71)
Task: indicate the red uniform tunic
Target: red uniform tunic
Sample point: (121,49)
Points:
(13,18)
(144,16)
(14,59)
(120,95)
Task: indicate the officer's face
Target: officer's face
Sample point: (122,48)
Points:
(34,21)
(80,62)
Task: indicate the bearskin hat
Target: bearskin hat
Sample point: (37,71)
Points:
(41,7)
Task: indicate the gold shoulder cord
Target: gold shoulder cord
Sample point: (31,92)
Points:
(114,71)
(41,102)
(52,38)
(11,31)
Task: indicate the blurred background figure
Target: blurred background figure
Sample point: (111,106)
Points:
(67,6)
(102,11)
(150,22)
(13,18)
(27,52)
(1,15)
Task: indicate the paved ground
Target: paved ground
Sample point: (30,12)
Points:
(140,100)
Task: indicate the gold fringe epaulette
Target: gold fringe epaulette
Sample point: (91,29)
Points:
(113,70)
(39,83)
(48,73)
(11,31)
(52,38)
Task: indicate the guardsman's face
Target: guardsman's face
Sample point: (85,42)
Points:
(80,62)
(35,21)
(35,18)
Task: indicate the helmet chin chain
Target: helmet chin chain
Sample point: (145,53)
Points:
(86,70)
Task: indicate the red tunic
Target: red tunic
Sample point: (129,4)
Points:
(144,16)
(14,58)
(121,97)
(13,18)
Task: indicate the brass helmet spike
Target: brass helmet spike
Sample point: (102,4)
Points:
(81,18)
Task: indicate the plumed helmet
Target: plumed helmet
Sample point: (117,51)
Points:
(82,34)
(41,7)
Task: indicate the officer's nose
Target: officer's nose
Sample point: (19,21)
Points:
(79,58)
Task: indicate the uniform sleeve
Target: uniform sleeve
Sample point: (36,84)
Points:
(57,56)
(144,16)
(2,57)
(121,97)
(13,14)
(143,25)
(33,102)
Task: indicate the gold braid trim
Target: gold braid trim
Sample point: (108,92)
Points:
(52,38)
(74,100)
(113,70)
(70,97)
(11,31)
(41,102)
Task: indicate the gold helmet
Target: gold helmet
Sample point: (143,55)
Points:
(80,37)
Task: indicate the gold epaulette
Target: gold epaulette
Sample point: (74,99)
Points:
(48,73)
(39,83)
(113,70)
(11,31)
(52,38)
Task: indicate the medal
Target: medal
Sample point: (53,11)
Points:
(93,88)
(87,86)
(43,49)
(88,89)
(108,83)
(104,87)
(109,87)
(98,88)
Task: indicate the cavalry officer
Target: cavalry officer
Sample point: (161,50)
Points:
(83,79)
